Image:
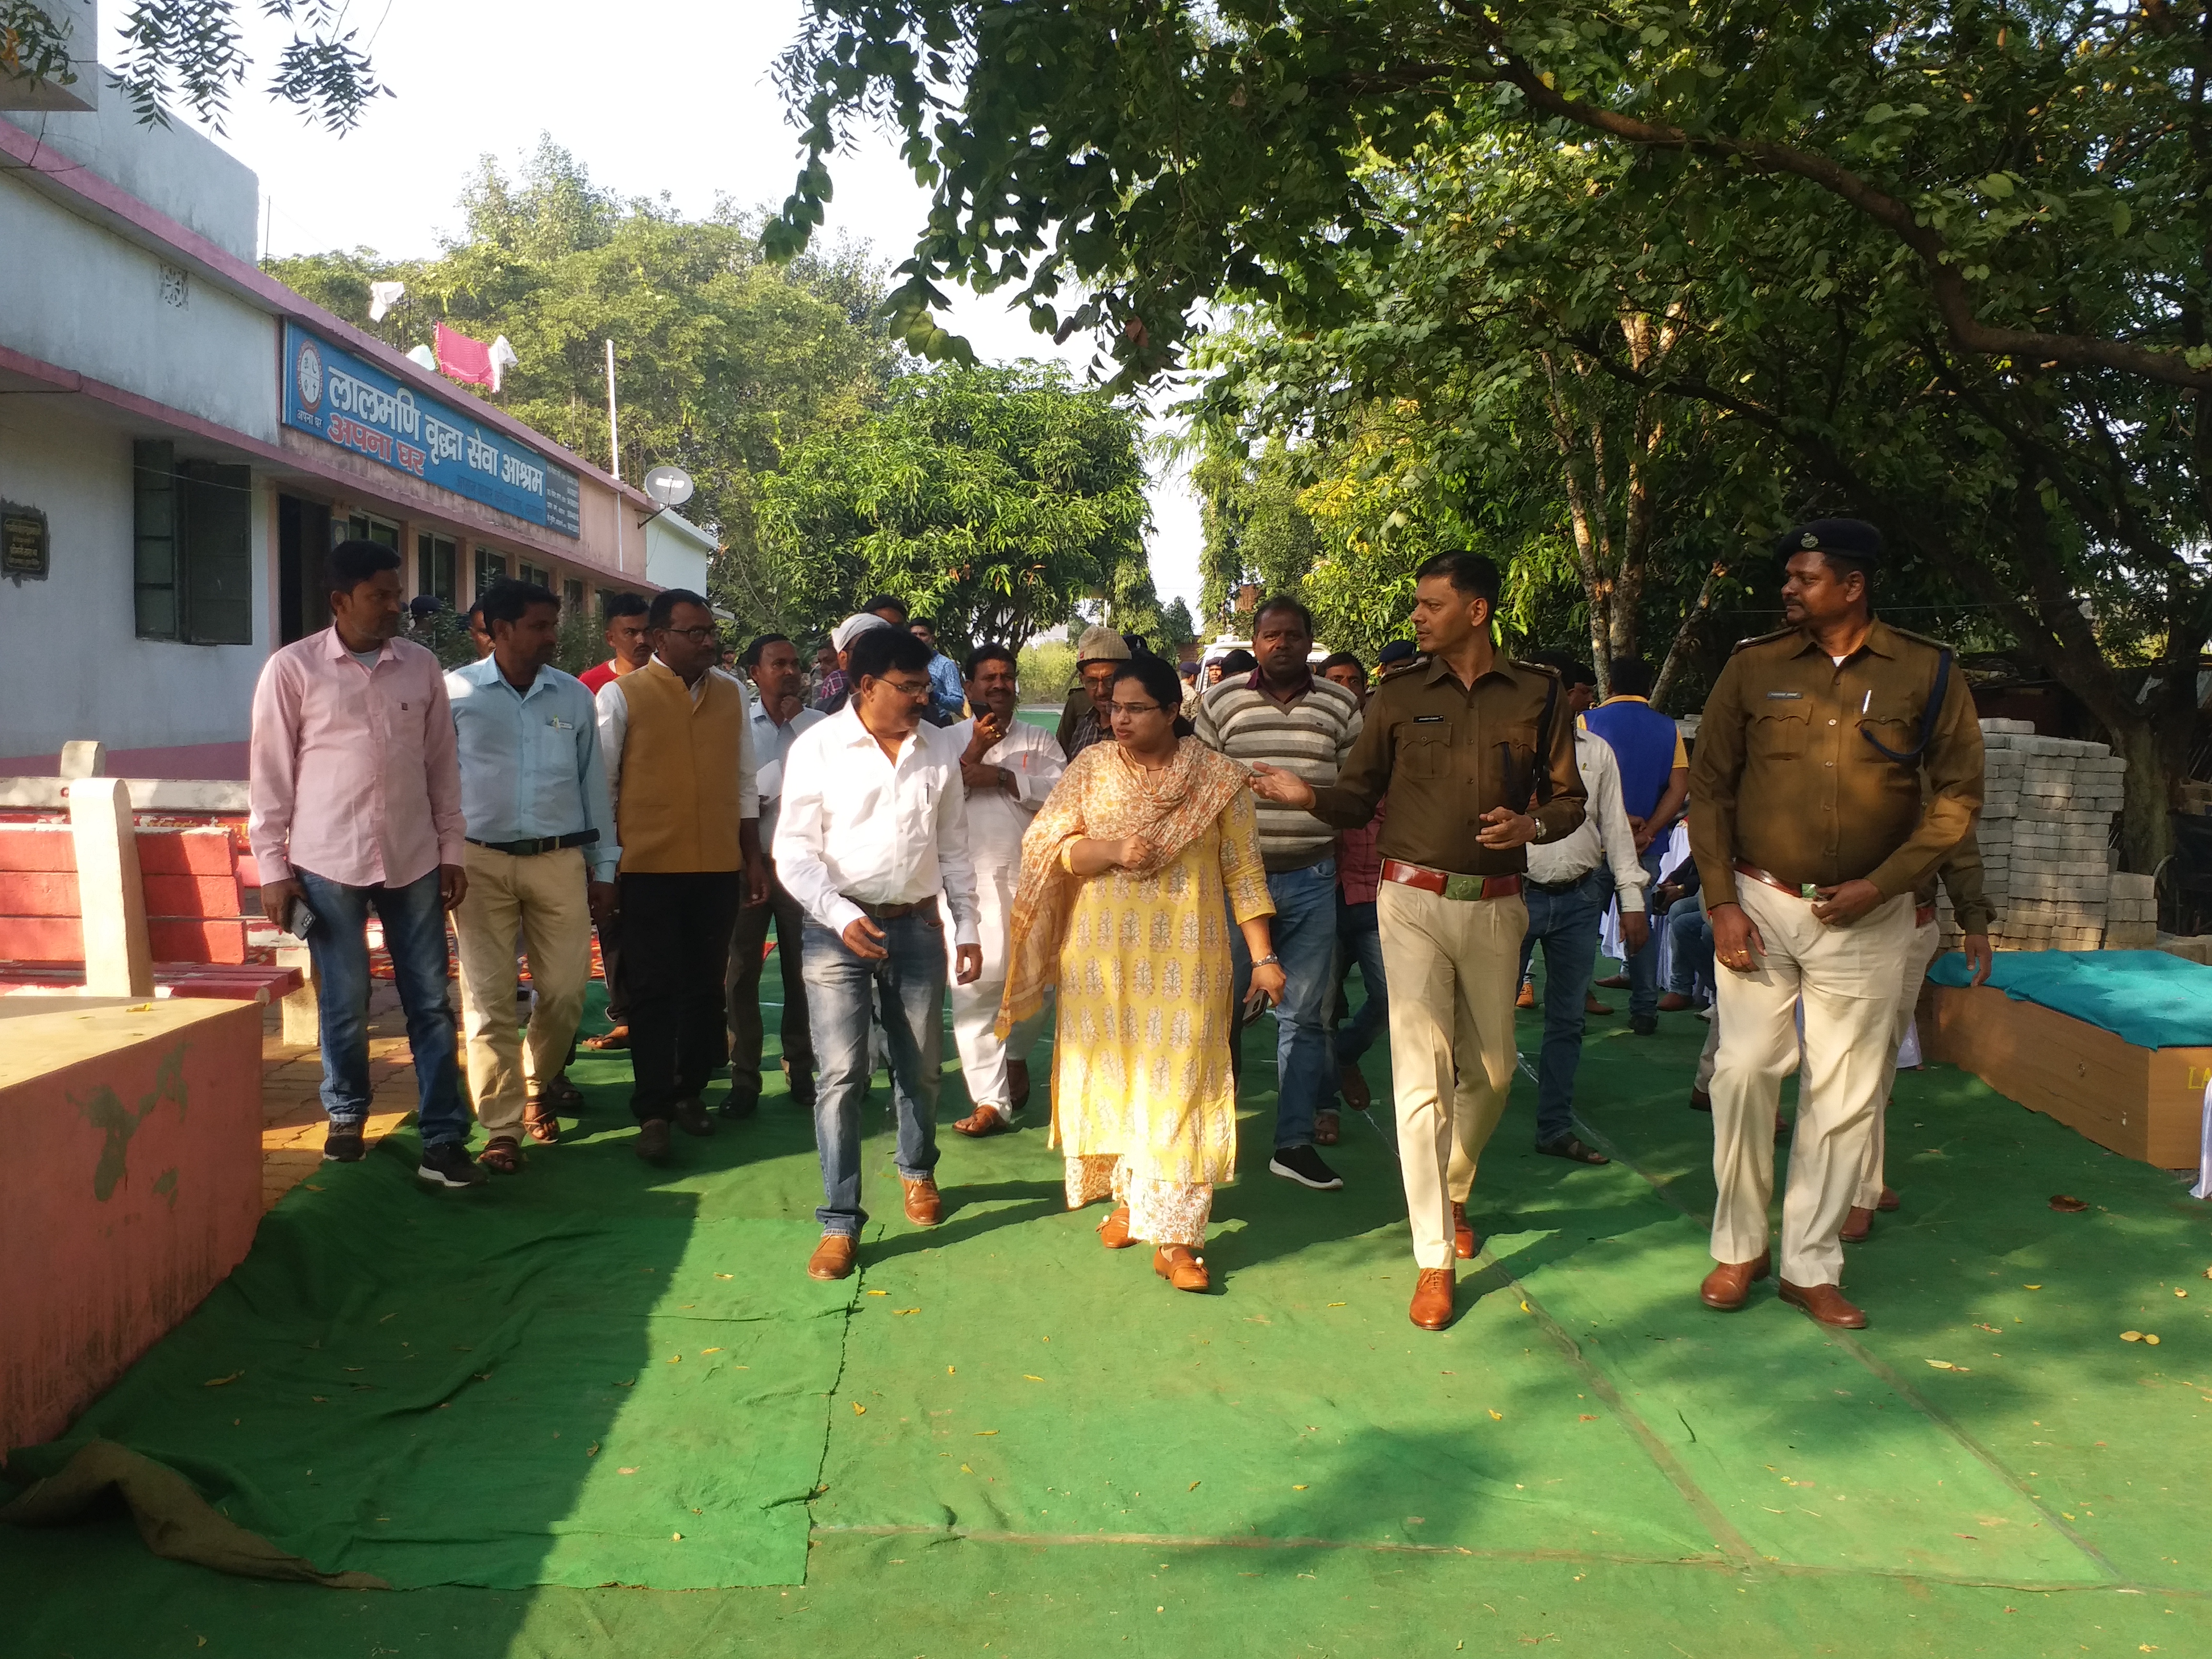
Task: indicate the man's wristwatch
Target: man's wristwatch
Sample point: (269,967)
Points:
(1271,960)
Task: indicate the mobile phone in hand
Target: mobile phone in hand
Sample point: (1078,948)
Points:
(299,921)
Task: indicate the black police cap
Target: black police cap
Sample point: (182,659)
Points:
(1848,538)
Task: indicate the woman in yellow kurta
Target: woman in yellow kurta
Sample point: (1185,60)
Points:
(1124,875)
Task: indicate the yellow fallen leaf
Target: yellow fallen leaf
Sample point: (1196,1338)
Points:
(985,1434)
(948,1370)
(675,1359)
(859,1410)
(724,1275)
(218,1381)
(629,1471)
(1497,1417)
(1297,1489)
(146,1008)
(677,1536)
(592,1451)
(875,1292)
(2150,1337)
(1027,1377)
(703,1352)
(2031,1287)
(1193,1487)
(2131,1336)
(2178,1291)
(905,1310)
(1524,1307)
(964,1469)
(311,1186)
(1336,1304)
(1942,1364)
(319,1399)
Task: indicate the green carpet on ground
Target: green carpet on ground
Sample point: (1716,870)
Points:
(1033,1443)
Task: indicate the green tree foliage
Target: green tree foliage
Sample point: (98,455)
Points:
(993,501)
(723,361)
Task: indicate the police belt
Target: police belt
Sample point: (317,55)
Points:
(1446,885)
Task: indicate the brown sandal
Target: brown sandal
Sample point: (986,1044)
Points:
(540,1123)
(1180,1266)
(1327,1127)
(1113,1231)
(504,1155)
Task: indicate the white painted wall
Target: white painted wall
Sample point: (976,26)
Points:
(77,295)
(76,667)
(173,168)
(676,552)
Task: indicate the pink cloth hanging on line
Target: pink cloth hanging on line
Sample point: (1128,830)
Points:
(460,358)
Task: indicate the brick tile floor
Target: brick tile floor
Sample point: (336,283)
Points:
(292,1109)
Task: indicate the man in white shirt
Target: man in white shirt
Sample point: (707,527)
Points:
(873,825)
(778,715)
(1569,885)
(687,816)
(1009,767)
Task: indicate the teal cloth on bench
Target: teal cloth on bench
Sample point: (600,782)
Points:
(2152,1000)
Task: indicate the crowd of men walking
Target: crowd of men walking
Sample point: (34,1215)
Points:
(1170,861)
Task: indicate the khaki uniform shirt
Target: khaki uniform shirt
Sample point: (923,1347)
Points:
(1446,753)
(1962,873)
(1785,779)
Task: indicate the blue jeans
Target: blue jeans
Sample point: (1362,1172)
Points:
(1567,924)
(415,936)
(1692,949)
(843,993)
(1304,932)
(1643,965)
(1359,943)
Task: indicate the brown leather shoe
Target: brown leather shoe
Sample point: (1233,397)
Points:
(1858,1225)
(1181,1266)
(1728,1287)
(1432,1299)
(983,1121)
(1675,1003)
(1527,997)
(1352,1084)
(1615,982)
(1464,1243)
(1017,1084)
(1113,1231)
(1700,1100)
(652,1140)
(923,1205)
(834,1257)
(1592,1005)
(1824,1303)
(1888,1200)
(693,1118)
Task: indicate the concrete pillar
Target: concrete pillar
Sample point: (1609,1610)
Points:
(303,1007)
(84,757)
(118,961)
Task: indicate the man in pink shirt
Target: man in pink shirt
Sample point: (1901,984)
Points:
(357,805)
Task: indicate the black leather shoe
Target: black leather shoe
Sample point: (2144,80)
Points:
(1644,1025)
(692,1118)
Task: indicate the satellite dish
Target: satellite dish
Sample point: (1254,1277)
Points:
(671,486)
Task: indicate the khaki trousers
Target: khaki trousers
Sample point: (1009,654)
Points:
(546,897)
(983,1058)
(1454,966)
(1848,978)
(1917,954)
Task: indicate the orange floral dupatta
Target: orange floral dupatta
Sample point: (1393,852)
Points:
(1104,795)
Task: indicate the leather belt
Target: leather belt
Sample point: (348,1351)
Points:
(525,849)
(1774,881)
(1923,914)
(1566,886)
(1446,885)
(895,912)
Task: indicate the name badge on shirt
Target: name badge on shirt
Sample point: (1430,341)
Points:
(560,725)
(1784,696)
(1428,720)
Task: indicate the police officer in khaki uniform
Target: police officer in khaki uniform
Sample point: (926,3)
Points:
(1477,755)
(1812,830)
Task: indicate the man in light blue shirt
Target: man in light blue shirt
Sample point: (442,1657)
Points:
(948,697)
(540,856)
(778,715)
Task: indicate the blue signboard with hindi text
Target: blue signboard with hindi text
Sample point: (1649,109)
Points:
(347,401)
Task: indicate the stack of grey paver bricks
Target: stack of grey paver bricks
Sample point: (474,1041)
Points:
(2045,830)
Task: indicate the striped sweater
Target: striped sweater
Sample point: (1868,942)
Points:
(1310,736)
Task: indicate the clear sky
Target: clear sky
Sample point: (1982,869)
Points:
(652,96)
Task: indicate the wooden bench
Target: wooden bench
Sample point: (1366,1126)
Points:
(198,938)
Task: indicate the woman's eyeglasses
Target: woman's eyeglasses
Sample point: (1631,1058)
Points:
(1134,709)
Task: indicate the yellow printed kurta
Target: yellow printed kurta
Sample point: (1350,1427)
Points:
(1142,1050)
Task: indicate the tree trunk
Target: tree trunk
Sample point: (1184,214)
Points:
(1580,516)
(1684,636)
